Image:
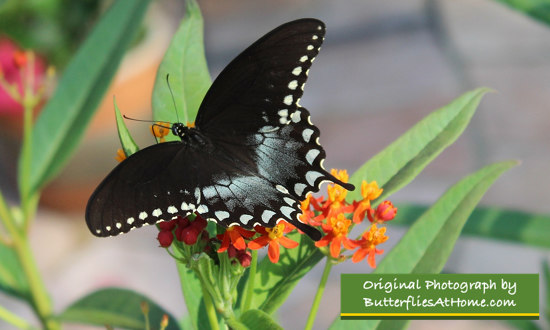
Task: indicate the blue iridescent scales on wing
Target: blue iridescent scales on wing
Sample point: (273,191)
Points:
(252,156)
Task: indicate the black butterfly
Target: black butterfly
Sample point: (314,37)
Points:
(252,157)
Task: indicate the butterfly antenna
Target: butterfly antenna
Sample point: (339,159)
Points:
(149,121)
(174,101)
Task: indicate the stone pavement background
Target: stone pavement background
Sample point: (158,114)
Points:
(383,67)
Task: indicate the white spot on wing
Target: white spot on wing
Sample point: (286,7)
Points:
(310,47)
(295,116)
(281,189)
(172,209)
(289,201)
(221,215)
(118,225)
(142,216)
(306,134)
(287,211)
(312,176)
(293,84)
(108,228)
(311,155)
(245,218)
(288,100)
(299,188)
(198,195)
(267,215)
(297,70)
(202,209)
(303,58)
(157,213)
(98,231)
(315,37)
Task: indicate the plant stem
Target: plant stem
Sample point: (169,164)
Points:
(41,301)
(318,295)
(13,319)
(210,311)
(249,293)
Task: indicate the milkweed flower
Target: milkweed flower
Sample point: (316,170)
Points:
(369,191)
(272,237)
(367,245)
(337,228)
(234,236)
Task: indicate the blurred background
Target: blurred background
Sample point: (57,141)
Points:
(383,67)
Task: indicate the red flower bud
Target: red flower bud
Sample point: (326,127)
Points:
(189,235)
(385,211)
(165,238)
(199,223)
(167,225)
(231,252)
(181,221)
(245,259)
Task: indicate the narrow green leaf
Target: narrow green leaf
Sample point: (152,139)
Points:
(274,282)
(546,277)
(492,222)
(185,62)
(118,308)
(62,122)
(429,242)
(401,161)
(257,319)
(126,141)
(192,294)
(12,277)
(537,9)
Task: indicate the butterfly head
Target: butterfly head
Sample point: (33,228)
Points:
(179,129)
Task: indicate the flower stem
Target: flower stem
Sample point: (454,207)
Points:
(249,293)
(210,311)
(318,295)
(13,319)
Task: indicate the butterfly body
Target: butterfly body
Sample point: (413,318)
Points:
(252,156)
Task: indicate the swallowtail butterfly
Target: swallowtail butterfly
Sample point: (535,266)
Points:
(252,156)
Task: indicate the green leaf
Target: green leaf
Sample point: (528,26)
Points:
(185,62)
(126,141)
(429,242)
(192,294)
(257,319)
(401,161)
(537,9)
(492,222)
(12,277)
(274,282)
(118,308)
(62,122)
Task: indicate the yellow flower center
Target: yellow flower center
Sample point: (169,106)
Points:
(339,224)
(276,232)
(337,194)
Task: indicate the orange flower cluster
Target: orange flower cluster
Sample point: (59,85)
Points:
(330,214)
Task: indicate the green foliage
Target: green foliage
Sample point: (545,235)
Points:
(189,79)
(117,308)
(126,140)
(537,9)
(495,223)
(12,279)
(63,121)
(257,319)
(275,282)
(402,161)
